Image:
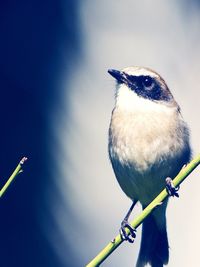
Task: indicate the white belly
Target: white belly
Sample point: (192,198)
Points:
(145,148)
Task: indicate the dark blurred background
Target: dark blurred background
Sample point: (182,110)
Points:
(36,38)
(55,105)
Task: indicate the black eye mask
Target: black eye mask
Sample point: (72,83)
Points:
(146,87)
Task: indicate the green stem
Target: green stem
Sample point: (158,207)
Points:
(12,177)
(139,219)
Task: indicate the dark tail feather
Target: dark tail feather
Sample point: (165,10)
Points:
(154,247)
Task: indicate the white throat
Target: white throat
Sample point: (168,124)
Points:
(129,101)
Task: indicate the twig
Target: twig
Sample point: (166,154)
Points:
(17,171)
(137,221)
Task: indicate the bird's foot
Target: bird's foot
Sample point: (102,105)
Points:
(124,236)
(171,189)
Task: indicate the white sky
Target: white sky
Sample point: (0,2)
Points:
(157,34)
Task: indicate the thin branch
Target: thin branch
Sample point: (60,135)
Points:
(17,171)
(139,219)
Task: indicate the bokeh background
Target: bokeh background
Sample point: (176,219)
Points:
(55,105)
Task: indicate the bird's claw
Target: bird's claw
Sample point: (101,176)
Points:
(171,189)
(124,236)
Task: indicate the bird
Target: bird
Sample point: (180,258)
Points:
(148,142)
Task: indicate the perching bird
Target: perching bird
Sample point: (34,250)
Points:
(148,142)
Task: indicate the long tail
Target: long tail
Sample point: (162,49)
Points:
(154,247)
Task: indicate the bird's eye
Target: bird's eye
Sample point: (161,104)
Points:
(147,81)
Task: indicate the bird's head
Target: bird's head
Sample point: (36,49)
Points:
(143,82)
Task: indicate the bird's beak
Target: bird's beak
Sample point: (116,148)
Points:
(118,75)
